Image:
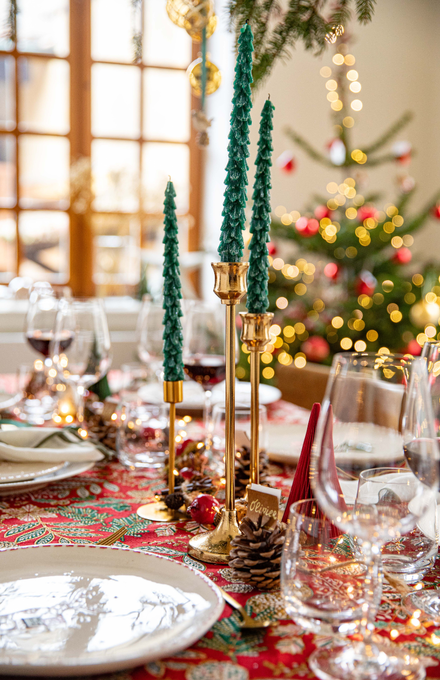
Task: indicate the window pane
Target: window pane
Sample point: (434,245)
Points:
(115,167)
(116,101)
(152,233)
(158,162)
(112,30)
(44,239)
(5,43)
(116,253)
(44,171)
(44,95)
(7,245)
(7,93)
(166,105)
(7,171)
(43,26)
(165,44)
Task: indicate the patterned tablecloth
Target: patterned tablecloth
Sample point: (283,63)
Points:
(85,508)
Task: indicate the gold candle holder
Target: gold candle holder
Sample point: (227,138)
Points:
(255,335)
(157,511)
(214,546)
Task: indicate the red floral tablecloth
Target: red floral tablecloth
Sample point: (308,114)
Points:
(85,508)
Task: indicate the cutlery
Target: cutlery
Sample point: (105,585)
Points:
(112,538)
(246,620)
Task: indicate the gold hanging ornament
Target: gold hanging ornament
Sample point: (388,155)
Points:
(213,77)
(196,33)
(423,313)
(190,13)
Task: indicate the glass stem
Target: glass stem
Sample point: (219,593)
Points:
(207,413)
(80,404)
(373,589)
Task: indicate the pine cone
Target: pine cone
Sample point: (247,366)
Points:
(174,501)
(243,469)
(196,486)
(256,553)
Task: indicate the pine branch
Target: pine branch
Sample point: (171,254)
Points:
(417,222)
(390,133)
(365,10)
(342,13)
(308,148)
(379,160)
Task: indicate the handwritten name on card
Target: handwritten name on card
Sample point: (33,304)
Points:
(263,500)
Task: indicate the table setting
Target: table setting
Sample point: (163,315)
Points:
(139,540)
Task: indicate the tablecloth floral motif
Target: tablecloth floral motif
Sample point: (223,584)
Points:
(85,508)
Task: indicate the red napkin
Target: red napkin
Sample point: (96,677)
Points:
(301,487)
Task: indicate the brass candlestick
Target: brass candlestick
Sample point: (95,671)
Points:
(255,335)
(214,546)
(157,511)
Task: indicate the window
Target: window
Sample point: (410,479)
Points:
(88,137)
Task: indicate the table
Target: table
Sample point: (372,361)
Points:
(85,508)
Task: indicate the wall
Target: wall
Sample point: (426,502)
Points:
(398,60)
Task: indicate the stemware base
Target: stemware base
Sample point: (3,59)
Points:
(364,662)
(427,600)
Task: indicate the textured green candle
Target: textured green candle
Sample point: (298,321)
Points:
(172,333)
(231,239)
(257,299)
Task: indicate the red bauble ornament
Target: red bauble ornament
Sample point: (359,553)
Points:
(436,211)
(365,284)
(365,212)
(187,473)
(402,152)
(316,348)
(180,448)
(331,270)
(322,211)
(402,256)
(413,348)
(271,248)
(307,227)
(286,162)
(203,509)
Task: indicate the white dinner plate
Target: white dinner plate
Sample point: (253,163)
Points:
(66,470)
(8,400)
(79,609)
(267,393)
(15,472)
(284,442)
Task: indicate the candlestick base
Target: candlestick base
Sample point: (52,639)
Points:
(157,511)
(214,546)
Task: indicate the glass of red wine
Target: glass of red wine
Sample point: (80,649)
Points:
(204,347)
(80,348)
(376,407)
(416,441)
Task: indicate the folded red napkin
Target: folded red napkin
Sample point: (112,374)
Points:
(301,487)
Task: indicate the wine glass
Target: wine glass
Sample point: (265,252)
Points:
(372,402)
(204,348)
(81,345)
(40,317)
(150,335)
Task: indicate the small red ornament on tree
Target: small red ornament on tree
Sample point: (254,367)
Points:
(286,162)
(365,212)
(307,227)
(365,283)
(271,248)
(402,152)
(436,211)
(331,270)
(322,211)
(316,348)
(402,256)
(413,348)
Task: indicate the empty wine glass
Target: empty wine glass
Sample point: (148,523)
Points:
(366,413)
(150,335)
(204,347)
(81,345)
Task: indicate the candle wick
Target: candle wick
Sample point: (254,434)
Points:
(268,96)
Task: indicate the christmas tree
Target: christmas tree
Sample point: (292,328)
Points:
(352,286)
(231,238)
(257,297)
(172,334)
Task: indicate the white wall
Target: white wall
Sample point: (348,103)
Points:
(398,60)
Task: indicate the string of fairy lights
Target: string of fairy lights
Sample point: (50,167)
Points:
(388,221)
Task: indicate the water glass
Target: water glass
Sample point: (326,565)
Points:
(38,392)
(391,492)
(322,580)
(242,429)
(134,376)
(142,440)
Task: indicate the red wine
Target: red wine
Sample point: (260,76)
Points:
(40,341)
(419,455)
(207,370)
